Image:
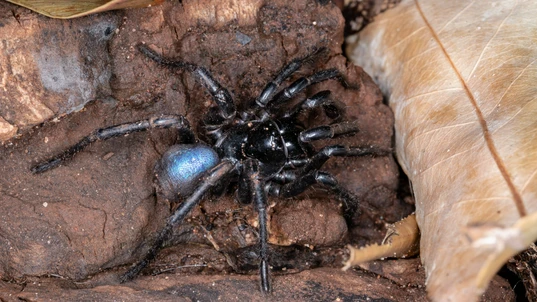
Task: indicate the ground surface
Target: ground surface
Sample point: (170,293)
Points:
(71,231)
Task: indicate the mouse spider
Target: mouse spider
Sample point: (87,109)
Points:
(262,151)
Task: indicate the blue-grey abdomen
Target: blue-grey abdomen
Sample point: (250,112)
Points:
(182,166)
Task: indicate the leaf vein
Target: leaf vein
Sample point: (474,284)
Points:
(517,198)
(456,16)
(488,43)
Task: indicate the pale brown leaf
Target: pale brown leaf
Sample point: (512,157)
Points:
(401,241)
(66,9)
(461,76)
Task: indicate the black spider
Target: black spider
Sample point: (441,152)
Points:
(264,152)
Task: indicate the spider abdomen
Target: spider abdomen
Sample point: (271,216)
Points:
(181,168)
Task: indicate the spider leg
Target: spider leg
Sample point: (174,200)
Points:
(302,83)
(220,94)
(271,88)
(317,100)
(317,161)
(209,181)
(255,190)
(305,181)
(285,176)
(349,200)
(169,121)
(309,175)
(327,131)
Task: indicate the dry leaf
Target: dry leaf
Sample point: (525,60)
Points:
(401,241)
(461,77)
(66,9)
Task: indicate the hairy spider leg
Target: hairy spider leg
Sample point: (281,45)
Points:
(161,122)
(256,191)
(212,178)
(272,87)
(220,95)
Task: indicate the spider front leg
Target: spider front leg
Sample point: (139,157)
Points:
(212,178)
(320,99)
(271,88)
(169,121)
(220,95)
(302,83)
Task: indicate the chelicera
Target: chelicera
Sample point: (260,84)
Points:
(262,151)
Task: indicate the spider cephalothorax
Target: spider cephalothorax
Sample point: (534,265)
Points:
(264,151)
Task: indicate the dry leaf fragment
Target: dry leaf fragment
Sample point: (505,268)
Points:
(401,241)
(461,80)
(66,9)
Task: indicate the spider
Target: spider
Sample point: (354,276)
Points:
(262,150)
